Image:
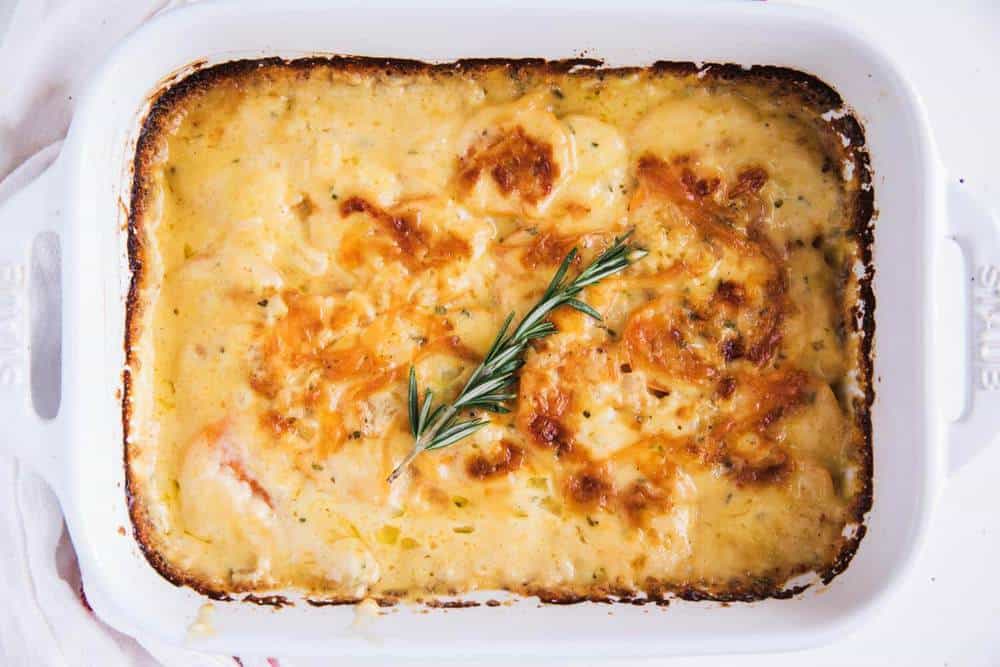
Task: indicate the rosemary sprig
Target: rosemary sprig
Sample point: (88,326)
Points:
(434,427)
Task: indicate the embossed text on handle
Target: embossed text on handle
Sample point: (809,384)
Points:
(987,337)
(13,349)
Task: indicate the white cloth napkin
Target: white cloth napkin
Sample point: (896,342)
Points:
(48,53)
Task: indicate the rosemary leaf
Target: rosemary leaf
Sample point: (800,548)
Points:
(584,308)
(414,414)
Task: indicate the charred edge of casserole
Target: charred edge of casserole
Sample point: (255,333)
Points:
(452,604)
(344,602)
(863,223)
(276,601)
(809,90)
(662,595)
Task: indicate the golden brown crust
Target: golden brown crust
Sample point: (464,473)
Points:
(410,241)
(527,174)
(515,160)
(509,458)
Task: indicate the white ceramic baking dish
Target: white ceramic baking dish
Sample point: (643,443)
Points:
(919,368)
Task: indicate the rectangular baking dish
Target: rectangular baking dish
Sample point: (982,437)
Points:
(932,382)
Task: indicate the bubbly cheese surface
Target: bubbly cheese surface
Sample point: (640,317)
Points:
(308,233)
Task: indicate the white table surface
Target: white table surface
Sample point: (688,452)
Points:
(948,611)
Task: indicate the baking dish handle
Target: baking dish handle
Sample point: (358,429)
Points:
(977,420)
(25,434)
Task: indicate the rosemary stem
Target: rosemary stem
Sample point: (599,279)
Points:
(421,443)
(404,463)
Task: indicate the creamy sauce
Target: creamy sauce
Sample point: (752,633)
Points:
(202,626)
(309,234)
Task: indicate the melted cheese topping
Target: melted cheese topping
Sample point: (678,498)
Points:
(308,234)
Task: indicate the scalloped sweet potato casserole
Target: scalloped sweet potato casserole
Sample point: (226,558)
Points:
(302,232)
